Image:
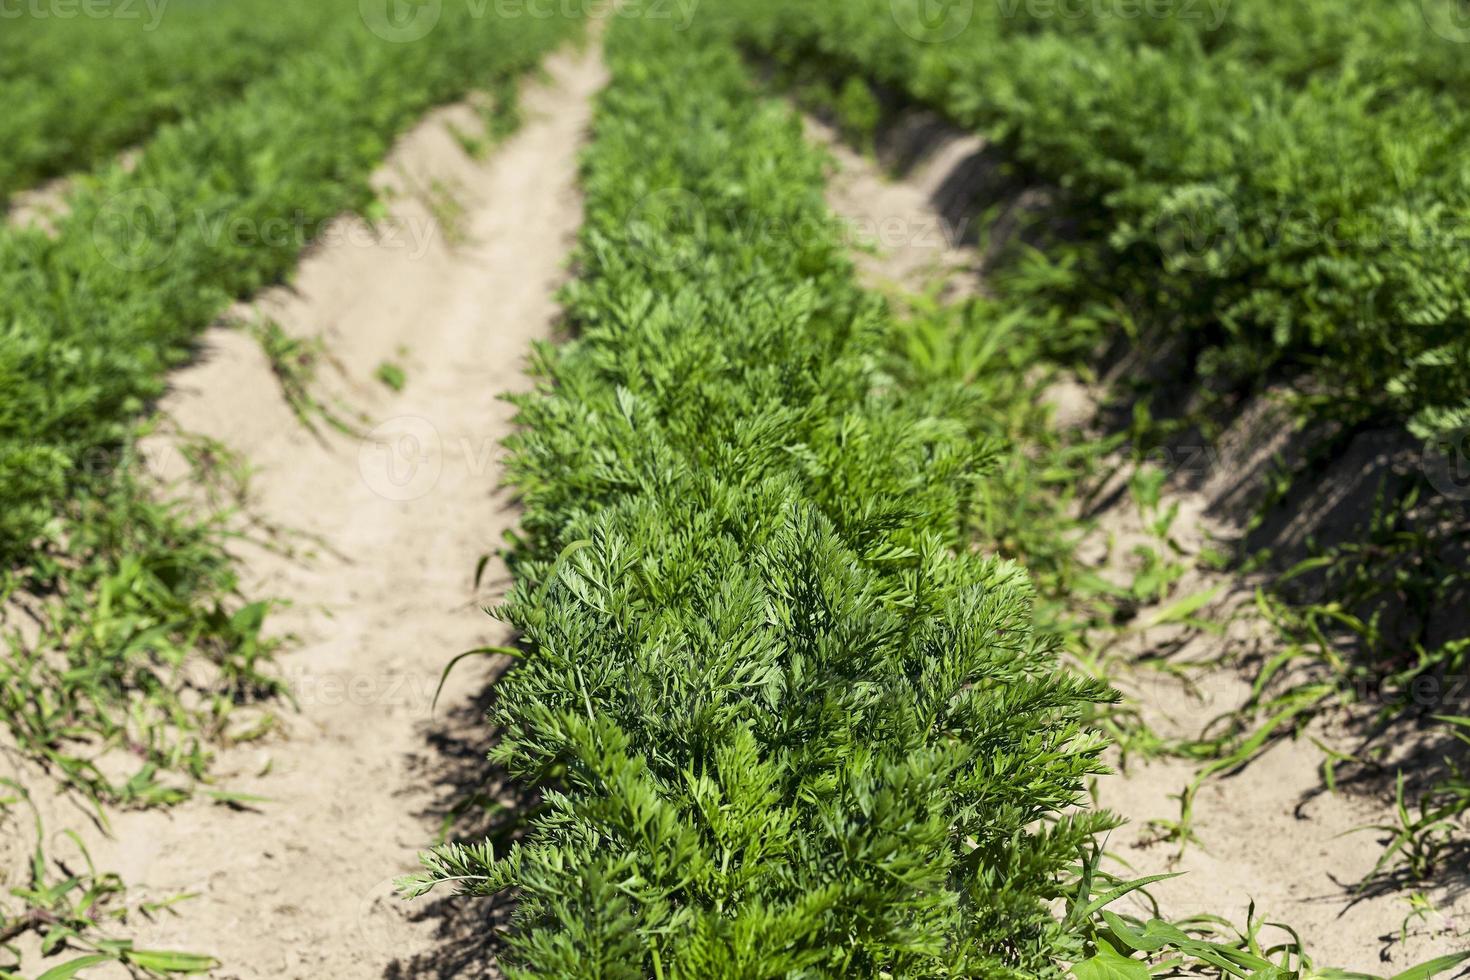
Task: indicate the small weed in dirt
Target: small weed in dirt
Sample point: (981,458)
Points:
(392,375)
(138,653)
(295,361)
(448,211)
(501,117)
(72,911)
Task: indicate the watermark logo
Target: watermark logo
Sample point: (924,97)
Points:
(402,459)
(135,230)
(1450,19)
(401,21)
(1187,461)
(1446,463)
(1196,230)
(667,229)
(410,691)
(383,923)
(149,11)
(680,12)
(932,21)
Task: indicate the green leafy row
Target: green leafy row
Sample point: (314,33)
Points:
(79,88)
(215,208)
(783,719)
(1285,186)
(788,722)
(1280,188)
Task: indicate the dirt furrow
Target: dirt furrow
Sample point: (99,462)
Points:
(383,537)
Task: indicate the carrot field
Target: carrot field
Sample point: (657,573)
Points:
(735,489)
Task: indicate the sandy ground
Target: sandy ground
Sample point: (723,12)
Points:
(386,533)
(39,206)
(900,239)
(42,206)
(1268,834)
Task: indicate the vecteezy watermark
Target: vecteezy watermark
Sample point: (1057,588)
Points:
(156,461)
(1446,463)
(1196,229)
(405,458)
(412,691)
(891,232)
(679,12)
(139,229)
(1210,13)
(165,460)
(668,229)
(384,925)
(402,459)
(405,21)
(1439,693)
(150,12)
(135,230)
(932,21)
(1450,19)
(401,21)
(1188,461)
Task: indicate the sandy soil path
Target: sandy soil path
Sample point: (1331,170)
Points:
(1267,833)
(301,886)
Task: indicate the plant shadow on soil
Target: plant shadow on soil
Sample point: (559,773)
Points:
(477,802)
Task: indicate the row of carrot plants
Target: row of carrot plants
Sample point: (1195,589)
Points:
(794,728)
(1276,197)
(1283,188)
(82,85)
(781,719)
(96,310)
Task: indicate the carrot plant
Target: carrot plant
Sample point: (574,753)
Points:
(126,653)
(787,721)
(1176,147)
(148,256)
(1181,141)
(157,63)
